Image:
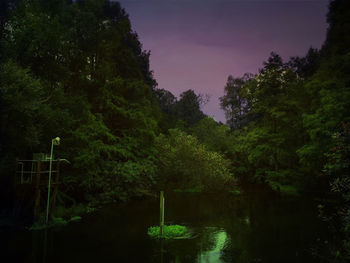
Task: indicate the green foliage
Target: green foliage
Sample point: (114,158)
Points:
(182,113)
(297,120)
(264,149)
(183,162)
(188,107)
(235,104)
(215,136)
(21,104)
(236,192)
(169,232)
(338,172)
(75,218)
(338,162)
(77,70)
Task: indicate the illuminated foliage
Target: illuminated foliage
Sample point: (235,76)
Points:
(186,163)
(171,231)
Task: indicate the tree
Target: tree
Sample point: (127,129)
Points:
(265,148)
(188,107)
(22,98)
(75,69)
(166,101)
(328,90)
(183,162)
(306,66)
(215,136)
(234,103)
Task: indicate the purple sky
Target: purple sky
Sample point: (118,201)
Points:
(196,44)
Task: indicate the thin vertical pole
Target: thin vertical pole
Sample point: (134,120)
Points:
(163,211)
(55,187)
(49,185)
(31,173)
(22,169)
(161,225)
(37,192)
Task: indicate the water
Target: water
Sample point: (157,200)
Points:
(223,229)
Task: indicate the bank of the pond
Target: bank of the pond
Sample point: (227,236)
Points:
(63,215)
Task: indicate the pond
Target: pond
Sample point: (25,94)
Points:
(223,228)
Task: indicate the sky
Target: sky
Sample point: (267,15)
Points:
(197,44)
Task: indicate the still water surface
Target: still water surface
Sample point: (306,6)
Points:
(223,229)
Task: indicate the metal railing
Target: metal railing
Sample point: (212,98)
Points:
(29,167)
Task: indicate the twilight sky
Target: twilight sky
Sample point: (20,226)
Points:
(196,44)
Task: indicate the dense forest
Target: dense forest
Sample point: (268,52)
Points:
(77,70)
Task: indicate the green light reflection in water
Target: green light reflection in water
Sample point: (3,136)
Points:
(219,240)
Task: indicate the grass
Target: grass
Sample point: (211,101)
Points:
(169,232)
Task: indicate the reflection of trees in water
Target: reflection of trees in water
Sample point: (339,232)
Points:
(213,242)
(182,250)
(277,230)
(209,215)
(206,247)
(206,209)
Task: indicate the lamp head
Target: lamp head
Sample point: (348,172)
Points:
(56,141)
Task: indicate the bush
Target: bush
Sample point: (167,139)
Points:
(185,163)
(169,232)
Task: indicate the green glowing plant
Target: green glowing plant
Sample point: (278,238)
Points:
(236,192)
(171,231)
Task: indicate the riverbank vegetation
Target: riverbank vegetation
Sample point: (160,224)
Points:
(77,70)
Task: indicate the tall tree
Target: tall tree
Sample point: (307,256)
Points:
(234,103)
(188,107)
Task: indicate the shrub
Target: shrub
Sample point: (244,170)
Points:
(171,231)
(185,163)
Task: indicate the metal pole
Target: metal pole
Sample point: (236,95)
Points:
(22,164)
(49,185)
(31,173)
(161,223)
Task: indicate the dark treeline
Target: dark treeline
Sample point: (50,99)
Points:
(291,122)
(76,69)
(288,119)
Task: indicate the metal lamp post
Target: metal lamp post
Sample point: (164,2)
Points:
(55,141)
